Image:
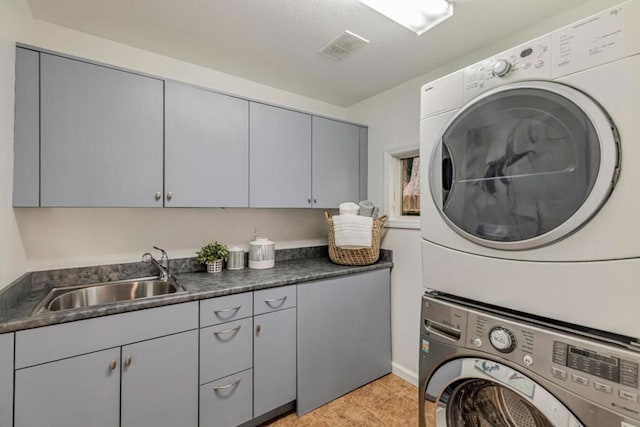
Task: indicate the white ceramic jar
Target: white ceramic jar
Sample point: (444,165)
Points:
(262,253)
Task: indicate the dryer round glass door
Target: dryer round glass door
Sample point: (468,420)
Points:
(483,393)
(524,165)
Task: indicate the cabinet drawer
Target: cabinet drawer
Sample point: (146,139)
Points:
(41,345)
(227,402)
(274,299)
(225,349)
(225,309)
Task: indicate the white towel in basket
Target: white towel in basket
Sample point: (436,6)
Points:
(352,231)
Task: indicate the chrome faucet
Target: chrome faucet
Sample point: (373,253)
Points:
(163,264)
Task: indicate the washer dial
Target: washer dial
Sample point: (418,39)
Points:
(502,339)
(501,68)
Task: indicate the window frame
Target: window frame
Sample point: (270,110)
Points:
(393,186)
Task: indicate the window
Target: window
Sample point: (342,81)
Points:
(410,185)
(402,187)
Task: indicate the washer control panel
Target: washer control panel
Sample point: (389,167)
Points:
(530,61)
(596,370)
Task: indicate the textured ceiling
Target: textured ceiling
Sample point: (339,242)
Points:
(275,42)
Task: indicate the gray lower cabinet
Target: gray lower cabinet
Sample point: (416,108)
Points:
(79,391)
(227,401)
(160,382)
(101,136)
(206,148)
(274,360)
(280,158)
(343,336)
(336,163)
(6,379)
(126,370)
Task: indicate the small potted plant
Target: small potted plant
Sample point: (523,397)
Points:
(213,255)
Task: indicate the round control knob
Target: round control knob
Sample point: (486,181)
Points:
(502,340)
(501,68)
(477,342)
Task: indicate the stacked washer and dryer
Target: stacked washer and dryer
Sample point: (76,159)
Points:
(530,213)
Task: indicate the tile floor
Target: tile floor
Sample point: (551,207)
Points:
(389,401)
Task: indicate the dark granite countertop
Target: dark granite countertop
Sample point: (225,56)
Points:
(15,310)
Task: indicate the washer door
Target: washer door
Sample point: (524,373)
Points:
(474,392)
(524,165)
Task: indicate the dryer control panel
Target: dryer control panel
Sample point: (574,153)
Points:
(530,61)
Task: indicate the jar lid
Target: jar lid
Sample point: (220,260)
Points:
(261,241)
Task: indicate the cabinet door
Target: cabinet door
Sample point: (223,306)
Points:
(364,163)
(160,382)
(344,336)
(280,158)
(26,169)
(101,135)
(6,380)
(76,392)
(274,360)
(336,163)
(206,148)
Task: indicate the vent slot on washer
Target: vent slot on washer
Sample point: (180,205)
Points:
(343,46)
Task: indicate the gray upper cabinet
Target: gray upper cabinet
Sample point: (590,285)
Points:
(88,135)
(206,148)
(6,380)
(364,163)
(76,392)
(280,158)
(101,135)
(26,173)
(160,382)
(336,163)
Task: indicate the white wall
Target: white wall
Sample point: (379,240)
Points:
(75,237)
(393,117)
(12,255)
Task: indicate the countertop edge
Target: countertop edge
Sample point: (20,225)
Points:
(30,322)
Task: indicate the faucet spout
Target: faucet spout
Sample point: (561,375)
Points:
(162,265)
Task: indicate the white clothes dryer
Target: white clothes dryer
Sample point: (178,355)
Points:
(532,200)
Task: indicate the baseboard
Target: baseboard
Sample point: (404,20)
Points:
(404,373)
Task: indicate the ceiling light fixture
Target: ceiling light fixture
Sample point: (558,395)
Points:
(416,15)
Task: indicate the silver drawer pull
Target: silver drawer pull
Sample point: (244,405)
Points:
(270,302)
(226,310)
(228,331)
(222,387)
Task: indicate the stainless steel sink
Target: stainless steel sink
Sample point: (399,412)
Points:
(74,297)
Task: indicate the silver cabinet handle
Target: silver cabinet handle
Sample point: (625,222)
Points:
(258,329)
(169,195)
(158,195)
(222,387)
(271,302)
(127,361)
(226,310)
(113,365)
(228,331)
(309,200)
(315,200)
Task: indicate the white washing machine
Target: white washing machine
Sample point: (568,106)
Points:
(532,196)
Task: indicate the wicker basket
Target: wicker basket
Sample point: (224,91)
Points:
(364,256)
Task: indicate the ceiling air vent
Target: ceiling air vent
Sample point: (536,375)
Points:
(343,46)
